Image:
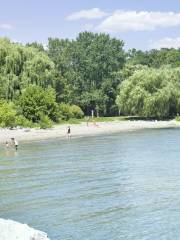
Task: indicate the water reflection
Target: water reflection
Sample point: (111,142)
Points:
(8,151)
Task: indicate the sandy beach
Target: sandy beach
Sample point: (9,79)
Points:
(80,130)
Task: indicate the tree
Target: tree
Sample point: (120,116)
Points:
(155,58)
(36,45)
(151,93)
(87,63)
(36,102)
(7,114)
(21,66)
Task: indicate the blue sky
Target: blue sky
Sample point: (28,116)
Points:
(142,24)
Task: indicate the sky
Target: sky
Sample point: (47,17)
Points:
(141,24)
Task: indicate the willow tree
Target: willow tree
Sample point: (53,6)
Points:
(151,93)
(21,66)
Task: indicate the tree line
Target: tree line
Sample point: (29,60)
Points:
(70,78)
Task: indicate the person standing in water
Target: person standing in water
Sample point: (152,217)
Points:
(15,143)
(69,132)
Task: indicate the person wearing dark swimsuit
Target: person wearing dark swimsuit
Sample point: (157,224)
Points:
(69,133)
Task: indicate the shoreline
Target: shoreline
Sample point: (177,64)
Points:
(81,130)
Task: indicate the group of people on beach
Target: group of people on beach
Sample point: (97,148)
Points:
(12,143)
(88,120)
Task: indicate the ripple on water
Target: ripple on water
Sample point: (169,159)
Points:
(123,186)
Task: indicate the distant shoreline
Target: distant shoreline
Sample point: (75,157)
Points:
(80,130)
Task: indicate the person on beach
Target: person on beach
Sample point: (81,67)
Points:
(15,143)
(88,119)
(7,144)
(69,132)
(95,124)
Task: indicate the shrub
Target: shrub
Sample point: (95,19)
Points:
(45,122)
(65,111)
(68,111)
(35,101)
(7,114)
(76,112)
(22,121)
(177,118)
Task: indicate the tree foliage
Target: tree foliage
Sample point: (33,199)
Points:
(151,93)
(7,114)
(68,111)
(71,77)
(155,58)
(21,66)
(89,64)
(35,103)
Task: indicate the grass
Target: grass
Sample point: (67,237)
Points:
(72,121)
(102,119)
(99,119)
(177,118)
(107,119)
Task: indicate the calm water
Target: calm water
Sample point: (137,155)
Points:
(124,186)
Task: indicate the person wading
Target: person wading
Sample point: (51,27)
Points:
(69,133)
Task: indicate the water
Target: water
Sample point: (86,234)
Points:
(124,186)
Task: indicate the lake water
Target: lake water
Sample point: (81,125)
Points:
(124,186)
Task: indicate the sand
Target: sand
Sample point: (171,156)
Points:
(80,130)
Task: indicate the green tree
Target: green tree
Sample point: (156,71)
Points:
(36,102)
(89,64)
(154,58)
(151,93)
(21,66)
(36,45)
(7,114)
